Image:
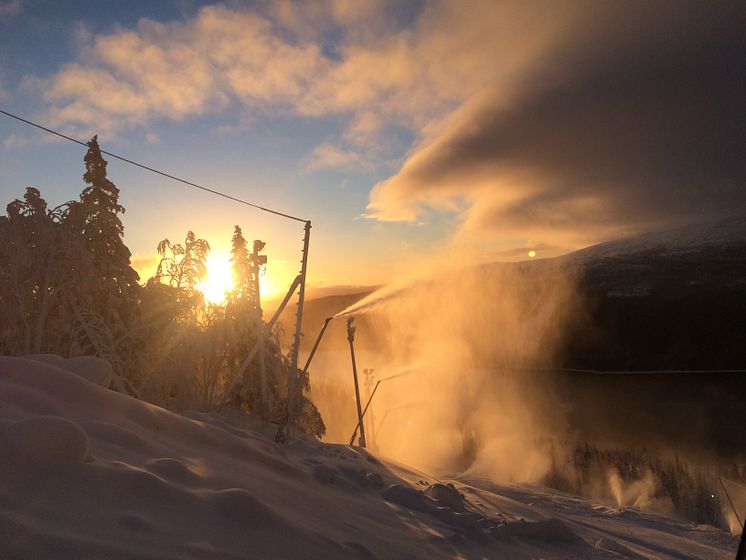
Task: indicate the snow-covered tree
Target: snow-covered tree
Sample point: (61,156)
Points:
(96,218)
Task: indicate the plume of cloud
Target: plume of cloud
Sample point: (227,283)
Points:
(633,117)
(458,330)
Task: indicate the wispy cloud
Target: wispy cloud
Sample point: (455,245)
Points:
(14,141)
(11,7)
(330,156)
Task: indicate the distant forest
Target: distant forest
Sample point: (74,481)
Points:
(67,287)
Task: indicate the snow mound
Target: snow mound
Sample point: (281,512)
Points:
(547,529)
(173,470)
(44,440)
(623,551)
(95,370)
(89,473)
(241,506)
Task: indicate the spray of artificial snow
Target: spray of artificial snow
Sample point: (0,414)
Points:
(461,410)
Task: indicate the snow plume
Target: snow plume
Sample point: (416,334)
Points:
(639,493)
(471,330)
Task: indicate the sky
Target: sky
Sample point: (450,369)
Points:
(407,131)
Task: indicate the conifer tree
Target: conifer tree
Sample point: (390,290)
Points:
(245,268)
(243,316)
(240,265)
(106,308)
(257,261)
(96,218)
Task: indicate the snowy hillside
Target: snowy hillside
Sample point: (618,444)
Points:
(674,299)
(717,235)
(90,473)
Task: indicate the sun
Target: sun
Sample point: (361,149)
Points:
(219,279)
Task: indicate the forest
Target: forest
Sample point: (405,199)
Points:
(67,287)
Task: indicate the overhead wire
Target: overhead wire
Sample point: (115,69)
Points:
(156,171)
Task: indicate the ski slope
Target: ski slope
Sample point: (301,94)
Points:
(90,473)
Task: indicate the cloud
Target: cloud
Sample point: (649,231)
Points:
(14,141)
(535,121)
(375,62)
(633,118)
(319,19)
(11,7)
(180,70)
(330,156)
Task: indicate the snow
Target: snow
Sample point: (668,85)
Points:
(90,473)
(93,369)
(691,238)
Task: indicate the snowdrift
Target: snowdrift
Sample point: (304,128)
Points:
(90,473)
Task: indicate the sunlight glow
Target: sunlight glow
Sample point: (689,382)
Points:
(267,287)
(532,253)
(218,279)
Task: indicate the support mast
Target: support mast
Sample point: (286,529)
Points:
(351,340)
(293,374)
(257,261)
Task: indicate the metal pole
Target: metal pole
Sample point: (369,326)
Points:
(370,400)
(369,373)
(257,261)
(410,405)
(293,374)
(285,300)
(266,406)
(351,340)
(316,344)
(735,511)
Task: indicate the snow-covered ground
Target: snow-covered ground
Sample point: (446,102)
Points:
(89,473)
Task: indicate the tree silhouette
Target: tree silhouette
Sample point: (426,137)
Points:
(103,230)
(184,266)
(25,256)
(240,265)
(41,268)
(96,220)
